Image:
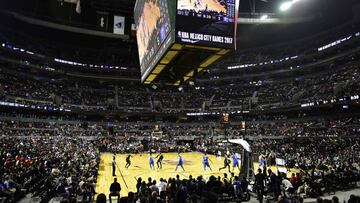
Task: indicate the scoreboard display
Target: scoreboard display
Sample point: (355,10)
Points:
(152,21)
(171,32)
(206,22)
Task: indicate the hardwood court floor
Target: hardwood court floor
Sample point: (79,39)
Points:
(212,5)
(140,168)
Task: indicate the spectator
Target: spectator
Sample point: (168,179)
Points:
(115,189)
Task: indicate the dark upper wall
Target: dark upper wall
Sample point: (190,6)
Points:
(327,13)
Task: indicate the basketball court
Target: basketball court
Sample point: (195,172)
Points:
(211,5)
(140,168)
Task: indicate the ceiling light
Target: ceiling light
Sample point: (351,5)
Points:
(286,6)
(263,17)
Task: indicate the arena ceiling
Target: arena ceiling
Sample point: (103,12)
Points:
(125,7)
(327,13)
(324,14)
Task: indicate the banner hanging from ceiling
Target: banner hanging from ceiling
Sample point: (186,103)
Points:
(119,25)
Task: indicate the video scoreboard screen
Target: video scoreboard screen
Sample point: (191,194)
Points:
(153,27)
(210,23)
(160,24)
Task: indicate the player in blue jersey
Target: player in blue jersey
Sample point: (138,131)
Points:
(261,161)
(206,162)
(235,158)
(152,161)
(180,162)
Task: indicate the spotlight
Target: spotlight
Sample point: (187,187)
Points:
(286,5)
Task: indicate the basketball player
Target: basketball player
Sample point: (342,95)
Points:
(206,162)
(236,161)
(113,165)
(128,161)
(152,162)
(159,161)
(180,162)
(261,160)
(226,163)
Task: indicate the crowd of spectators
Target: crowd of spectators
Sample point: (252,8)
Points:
(296,128)
(66,167)
(328,162)
(230,188)
(190,189)
(47,167)
(243,96)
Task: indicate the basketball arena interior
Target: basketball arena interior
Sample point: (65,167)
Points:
(179,101)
